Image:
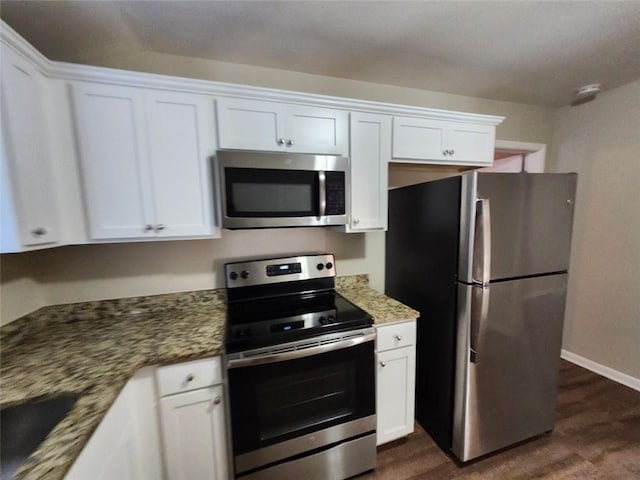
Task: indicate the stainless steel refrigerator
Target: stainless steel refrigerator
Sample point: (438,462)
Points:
(484,258)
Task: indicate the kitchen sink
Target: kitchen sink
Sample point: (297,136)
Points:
(24,427)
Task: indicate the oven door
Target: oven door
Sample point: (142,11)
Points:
(275,190)
(298,401)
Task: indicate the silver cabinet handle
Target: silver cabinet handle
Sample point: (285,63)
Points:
(451,152)
(190,378)
(217,400)
(148,228)
(356,221)
(382,364)
(398,337)
(39,231)
(289,143)
(445,152)
(160,227)
(281,141)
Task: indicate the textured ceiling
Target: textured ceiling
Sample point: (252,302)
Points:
(530,52)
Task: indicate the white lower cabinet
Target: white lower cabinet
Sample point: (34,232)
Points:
(193,422)
(396,367)
(126,444)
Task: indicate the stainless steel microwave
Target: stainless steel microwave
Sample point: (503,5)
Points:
(261,190)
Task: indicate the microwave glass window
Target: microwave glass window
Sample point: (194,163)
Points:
(261,192)
(272,197)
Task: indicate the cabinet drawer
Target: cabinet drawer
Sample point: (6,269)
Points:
(183,377)
(396,335)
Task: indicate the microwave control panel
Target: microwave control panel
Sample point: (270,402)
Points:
(335,185)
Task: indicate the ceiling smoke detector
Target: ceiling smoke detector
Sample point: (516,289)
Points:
(586,94)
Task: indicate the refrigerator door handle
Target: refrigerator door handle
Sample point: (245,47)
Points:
(479,313)
(482,243)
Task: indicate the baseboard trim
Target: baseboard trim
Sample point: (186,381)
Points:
(603,370)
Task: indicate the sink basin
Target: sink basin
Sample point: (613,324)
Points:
(24,427)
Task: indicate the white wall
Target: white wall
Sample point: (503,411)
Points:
(91,272)
(601,141)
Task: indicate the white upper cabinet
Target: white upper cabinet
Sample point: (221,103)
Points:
(271,126)
(370,136)
(442,141)
(145,158)
(30,214)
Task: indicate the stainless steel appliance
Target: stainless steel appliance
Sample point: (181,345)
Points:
(282,190)
(484,258)
(301,376)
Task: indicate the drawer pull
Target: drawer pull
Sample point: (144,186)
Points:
(398,337)
(217,400)
(190,377)
(383,364)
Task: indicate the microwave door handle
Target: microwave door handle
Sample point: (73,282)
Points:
(322,192)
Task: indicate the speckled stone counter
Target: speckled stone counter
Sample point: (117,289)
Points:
(94,348)
(383,309)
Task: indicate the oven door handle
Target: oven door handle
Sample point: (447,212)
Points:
(303,352)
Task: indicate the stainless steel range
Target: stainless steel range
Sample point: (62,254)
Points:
(301,374)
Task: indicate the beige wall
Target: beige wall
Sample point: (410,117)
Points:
(89,272)
(601,141)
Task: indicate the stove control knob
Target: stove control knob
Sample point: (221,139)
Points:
(320,266)
(233,275)
(245,274)
(323,321)
(331,319)
(329,265)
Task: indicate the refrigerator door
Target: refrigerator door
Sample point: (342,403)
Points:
(531,217)
(508,351)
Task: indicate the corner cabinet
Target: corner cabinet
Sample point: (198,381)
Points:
(145,161)
(370,140)
(126,444)
(444,142)
(245,124)
(29,203)
(193,420)
(396,367)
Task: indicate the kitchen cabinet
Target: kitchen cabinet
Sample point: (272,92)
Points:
(193,420)
(126,443)
(370,152)
(270,126)
(396,365)
(145,159)
(30,215)
(445,142)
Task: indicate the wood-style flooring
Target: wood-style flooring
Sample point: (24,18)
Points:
(597,436)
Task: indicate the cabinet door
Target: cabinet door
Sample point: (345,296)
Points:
(471,144)
(110,127)
(181,139)
(125,445)
(194,435)
(395,395)
(370,154)
(29,158)
(316,130)
(419,139)
(250,125)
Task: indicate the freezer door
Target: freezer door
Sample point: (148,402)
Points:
(531,217)
(508,352)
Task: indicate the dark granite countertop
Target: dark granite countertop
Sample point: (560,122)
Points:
(94,348)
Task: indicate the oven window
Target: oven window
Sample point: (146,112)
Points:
(256,192)
(275,402)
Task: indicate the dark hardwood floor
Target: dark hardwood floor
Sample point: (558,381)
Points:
(597,436)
